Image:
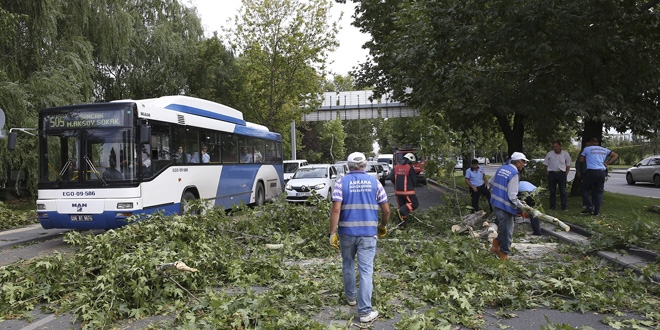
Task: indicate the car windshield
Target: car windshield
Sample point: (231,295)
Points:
(290,167)
(308,173)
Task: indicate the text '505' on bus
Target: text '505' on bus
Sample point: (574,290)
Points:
(102,163)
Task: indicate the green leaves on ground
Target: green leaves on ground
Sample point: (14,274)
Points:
(434,278)
(14,216)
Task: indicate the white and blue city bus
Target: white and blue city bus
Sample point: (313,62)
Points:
(102,163)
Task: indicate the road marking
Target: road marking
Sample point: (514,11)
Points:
(39,323)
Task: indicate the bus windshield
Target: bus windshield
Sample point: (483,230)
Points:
(91,155)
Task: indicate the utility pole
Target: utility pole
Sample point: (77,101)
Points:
(293,140)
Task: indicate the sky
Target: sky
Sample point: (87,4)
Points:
(215,13)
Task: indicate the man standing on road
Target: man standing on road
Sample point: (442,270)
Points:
(355,202)
(475,177)
(558,164)
(593,181)
(505,202)
(404,179)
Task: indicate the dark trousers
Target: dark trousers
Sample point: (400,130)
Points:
(481,191)
(557,179)
(592,187)
(407,204)
(535,222)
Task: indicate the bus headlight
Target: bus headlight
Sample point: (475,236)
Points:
(41,206)
(319,186)
(124,206)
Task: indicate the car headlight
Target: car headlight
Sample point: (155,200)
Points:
(319,186)
(288,187)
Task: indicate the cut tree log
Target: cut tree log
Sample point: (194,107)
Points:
(469,221)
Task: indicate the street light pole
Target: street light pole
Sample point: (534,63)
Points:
(293,140)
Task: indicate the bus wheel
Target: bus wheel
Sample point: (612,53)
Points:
(187,199)
(260,196)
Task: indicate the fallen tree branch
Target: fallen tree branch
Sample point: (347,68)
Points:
(542,216)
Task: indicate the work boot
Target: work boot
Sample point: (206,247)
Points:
(496,247)
(503,256)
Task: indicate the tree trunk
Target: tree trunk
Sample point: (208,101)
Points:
(512,134)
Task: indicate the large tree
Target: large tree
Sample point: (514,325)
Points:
(61,52)
(525,65)
(282,47)
(142,49)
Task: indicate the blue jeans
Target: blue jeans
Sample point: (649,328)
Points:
(593,182)
(504,229)
(365,249)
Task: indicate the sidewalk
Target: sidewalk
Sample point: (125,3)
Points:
(27,234)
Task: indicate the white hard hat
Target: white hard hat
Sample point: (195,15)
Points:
(409,156)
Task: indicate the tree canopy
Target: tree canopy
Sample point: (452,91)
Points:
(68,52)
(282,47)
(526,65)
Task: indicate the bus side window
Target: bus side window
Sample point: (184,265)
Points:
(229,148)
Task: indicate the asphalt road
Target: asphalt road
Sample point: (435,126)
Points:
(616,183)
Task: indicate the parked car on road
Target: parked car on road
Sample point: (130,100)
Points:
(459,164)
(386,171)
(291,166)
(483,160)
(388,159)
(376,170)
(342,168)
(648,170)
(315,177)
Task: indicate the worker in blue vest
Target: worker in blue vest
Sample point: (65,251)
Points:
(355,202)
(505,202)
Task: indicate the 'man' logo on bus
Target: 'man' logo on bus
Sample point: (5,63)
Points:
(79,205)
(145,114)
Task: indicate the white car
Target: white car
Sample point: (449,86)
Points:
(648,170)
(319,178)
(291,166)
(342,169)
(388,159)
(376,170)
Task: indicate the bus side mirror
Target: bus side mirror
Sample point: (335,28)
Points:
(11,140)
(145,134)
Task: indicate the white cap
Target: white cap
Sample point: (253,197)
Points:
(356,157)
(518,156)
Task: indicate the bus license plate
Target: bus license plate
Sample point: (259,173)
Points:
(82,217)
(301,194)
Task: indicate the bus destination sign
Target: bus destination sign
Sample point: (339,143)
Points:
(79,119)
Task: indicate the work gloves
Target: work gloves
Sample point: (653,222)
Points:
(334,241)
(382,231)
